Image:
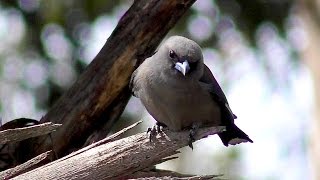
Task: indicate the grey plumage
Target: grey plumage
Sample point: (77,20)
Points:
(179,90)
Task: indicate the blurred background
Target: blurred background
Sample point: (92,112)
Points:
(263,53)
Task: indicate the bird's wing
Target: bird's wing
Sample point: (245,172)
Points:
(133,84)
(209,83)
(138,76)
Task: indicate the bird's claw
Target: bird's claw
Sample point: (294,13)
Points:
(159,125)
(149,130)
(153,132)
(192,133)
(191,138)
(156,129)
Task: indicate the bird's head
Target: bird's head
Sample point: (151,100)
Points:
(182,57)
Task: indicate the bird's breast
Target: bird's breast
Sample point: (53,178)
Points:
(179,105)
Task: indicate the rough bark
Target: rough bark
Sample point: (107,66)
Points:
(164,174)
(96,91)
(19,134)
(118,159)
(33,163)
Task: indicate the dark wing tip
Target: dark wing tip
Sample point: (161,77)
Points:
(233,135)
(236,141)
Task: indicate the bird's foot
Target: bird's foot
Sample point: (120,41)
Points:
(159,125)
(191,138)
(153,133)
(192,133)
(156,129)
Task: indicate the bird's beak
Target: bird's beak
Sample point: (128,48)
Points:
(182,67)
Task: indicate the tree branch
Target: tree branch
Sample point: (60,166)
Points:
(165,174)
(97,90)
(27,166)
(118,159)
(19,134)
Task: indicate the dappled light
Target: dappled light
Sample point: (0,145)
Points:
(267,83)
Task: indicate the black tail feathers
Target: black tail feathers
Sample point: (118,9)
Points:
(233,135)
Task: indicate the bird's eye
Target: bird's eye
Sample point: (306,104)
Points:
(172,54)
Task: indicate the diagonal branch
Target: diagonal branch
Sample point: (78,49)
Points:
(33,163)
(93,100)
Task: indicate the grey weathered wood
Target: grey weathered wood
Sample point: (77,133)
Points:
(108,139)
(157,174)
(19,134)
(94,99)
(27,166)
(118,159)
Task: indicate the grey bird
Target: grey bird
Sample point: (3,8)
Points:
(180,92)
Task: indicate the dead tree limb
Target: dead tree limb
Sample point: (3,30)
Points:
(19,134)
(27,166)
(156,174)
(118,159)
(100,93)
(108,139)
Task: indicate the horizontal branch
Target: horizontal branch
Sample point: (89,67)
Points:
(119,159)
(19,134)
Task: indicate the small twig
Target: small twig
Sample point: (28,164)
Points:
(27,166)
(19,134)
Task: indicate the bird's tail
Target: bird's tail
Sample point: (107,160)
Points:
(233,135)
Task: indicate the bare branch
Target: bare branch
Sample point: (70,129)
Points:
(108,139)
(165,174)
(119,159)
(19,134)
(27,166)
